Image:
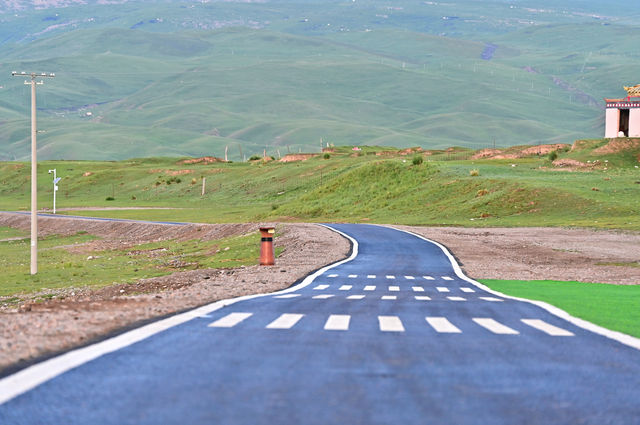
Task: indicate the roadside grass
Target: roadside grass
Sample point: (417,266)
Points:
(9,232)
(614,307)
(60,268)
(376,184)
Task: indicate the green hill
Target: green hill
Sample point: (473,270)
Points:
(159,79)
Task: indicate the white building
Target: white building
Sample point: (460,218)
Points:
(623,115)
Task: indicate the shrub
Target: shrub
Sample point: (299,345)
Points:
(255,157)
(553,155)
(417,160)
(109,198)
(326,155)
(474,173)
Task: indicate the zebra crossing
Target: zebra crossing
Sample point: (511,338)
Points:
(392,277)
(387,323)
(390,292)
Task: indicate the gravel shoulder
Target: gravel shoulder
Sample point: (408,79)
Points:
(543,253)
(79,316)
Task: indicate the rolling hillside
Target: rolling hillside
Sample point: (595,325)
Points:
(185,78)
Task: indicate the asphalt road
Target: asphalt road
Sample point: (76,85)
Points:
(392,336)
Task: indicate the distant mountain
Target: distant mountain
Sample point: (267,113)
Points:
(181,78)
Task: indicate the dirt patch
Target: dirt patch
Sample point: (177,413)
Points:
(572,163)
(542,253)
(544,149)
(79,315)
(202,160)
(511,154)
(297,157)
(618,145)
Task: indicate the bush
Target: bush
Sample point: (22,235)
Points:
(474,173)
(255,157)
(109,198)
(326,155)
(417,160)
(553,155)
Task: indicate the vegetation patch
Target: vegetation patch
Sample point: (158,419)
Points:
(614,307)
(62,267)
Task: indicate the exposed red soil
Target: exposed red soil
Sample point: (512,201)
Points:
(202,160)
(298,157)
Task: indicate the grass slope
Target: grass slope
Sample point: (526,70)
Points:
(198,80)
(373,185)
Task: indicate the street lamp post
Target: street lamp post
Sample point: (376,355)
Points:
(55,187)
(34,164)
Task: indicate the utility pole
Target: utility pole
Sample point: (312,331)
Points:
(34,163)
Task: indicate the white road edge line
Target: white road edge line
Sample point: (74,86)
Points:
(625,339)
(26,379)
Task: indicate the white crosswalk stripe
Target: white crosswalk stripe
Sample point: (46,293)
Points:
(390,277)
(428,278)
(285,321)
(417,289)
(422,298)
(495,327)
(409,277)
(323,296)
(467,290)
(230,320)
(390,324)
(355,297)
(394,288)
(447,278)
(456,299)
(491,299)
(333,275)
(337,322)
(442,289)
(320,287)
(369,288)
(371,276)
(345,287)
(389,297)
(353,276)
(442,325)
(546,327)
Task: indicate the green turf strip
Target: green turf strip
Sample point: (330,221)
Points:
(616,307)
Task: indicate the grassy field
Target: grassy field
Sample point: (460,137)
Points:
(62,266)
(373,185)
(611,306)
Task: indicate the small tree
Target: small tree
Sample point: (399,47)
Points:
(417,159)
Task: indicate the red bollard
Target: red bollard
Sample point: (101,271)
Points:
(267,257)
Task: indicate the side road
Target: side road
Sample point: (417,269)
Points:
(78,316)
